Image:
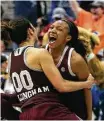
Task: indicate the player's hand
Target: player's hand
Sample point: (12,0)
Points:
(90,81)
(32,33)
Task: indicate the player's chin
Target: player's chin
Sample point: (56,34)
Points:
(52,44)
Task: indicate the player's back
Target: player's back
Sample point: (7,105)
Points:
(38,98)
(31,85)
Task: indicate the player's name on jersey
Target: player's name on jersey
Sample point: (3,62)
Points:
(31,93)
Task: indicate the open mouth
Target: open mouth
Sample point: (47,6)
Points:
(52,39)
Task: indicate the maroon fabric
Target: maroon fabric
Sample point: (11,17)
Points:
(39,79)
(41,100)
(48,111)
(7,111)
(75,101)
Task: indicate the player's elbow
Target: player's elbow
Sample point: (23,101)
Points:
(64,88)
(61,88)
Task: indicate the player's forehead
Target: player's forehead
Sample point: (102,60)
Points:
(60,23)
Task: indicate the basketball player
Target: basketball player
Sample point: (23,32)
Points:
(63,41)
(36,80)
(95,66)
(89,41)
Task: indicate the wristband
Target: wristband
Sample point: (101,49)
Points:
(90,56)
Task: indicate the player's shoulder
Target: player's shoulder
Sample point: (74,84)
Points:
(41,52)
(33,49)
(77,60)
(76,57)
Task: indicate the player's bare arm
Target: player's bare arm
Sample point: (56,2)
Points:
(45,62)
(75,6)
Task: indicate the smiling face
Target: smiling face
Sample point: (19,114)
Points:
(58,34)
(97,12)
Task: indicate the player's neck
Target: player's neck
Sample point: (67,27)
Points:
(57,52)
(26,43)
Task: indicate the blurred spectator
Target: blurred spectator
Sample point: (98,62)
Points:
(64,5)
(2,46)
(101,45)
(6,43)
(85,4)
(96,68)
(1,11)
(59,13)
(93,20)
(3,75)
(6,84)
(100,55)
(26,9)
(98,102)
(4,64)
(98,94)
(8,9)
(32,10)
(95,102)
(41,8)
(53,5)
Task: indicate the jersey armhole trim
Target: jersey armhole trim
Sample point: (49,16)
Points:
(46,46)
(69,62)
(9,64)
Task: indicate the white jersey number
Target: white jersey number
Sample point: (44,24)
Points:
(19,81)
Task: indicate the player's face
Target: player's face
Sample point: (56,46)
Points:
(58,33)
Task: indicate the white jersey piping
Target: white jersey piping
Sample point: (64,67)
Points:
(46,47)
(59,62)
(62,56)
(69,62)
(9,64)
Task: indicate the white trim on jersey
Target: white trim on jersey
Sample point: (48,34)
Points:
(69,63)
(17,53)
(69,58)
(62,56)
(9,64)
(46,47)
(26,61)
(79,118)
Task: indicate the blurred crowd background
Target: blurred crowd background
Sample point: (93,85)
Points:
(42,13)
(87,14)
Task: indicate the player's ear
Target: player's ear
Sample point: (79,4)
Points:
(30,33)
(68,38)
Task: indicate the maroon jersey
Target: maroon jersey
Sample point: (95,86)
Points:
(38,98)
(75,101)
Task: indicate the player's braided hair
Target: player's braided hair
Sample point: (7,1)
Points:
(74,42)
(17,29)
